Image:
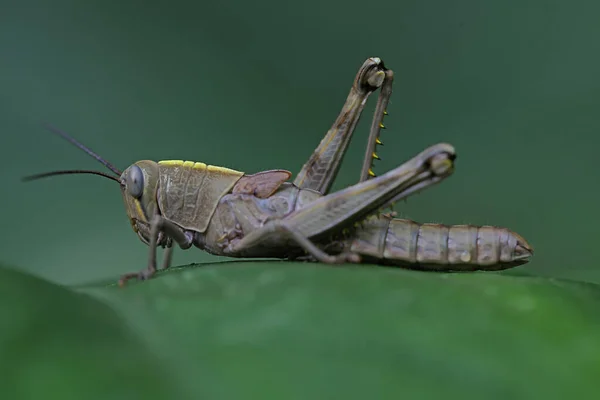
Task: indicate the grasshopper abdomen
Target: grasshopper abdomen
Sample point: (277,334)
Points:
(439,247)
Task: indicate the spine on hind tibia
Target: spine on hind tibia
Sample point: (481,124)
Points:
(428,246)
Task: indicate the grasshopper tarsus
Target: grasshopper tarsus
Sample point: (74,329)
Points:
(142,275)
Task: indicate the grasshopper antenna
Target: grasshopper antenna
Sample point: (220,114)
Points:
(68,172)
(80,146)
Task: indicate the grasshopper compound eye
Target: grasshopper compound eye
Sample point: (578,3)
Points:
(135,181)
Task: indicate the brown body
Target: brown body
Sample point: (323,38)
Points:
(231,213)
(226,217)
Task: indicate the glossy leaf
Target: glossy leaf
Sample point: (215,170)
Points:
(58,344)
(294,330)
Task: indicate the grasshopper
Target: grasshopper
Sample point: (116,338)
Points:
(232,213)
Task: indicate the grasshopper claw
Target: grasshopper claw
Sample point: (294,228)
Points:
(127,277)
(140,276)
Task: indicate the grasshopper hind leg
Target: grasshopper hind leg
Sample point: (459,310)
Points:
(281,229)
(321,168)
(173,232)
(376,126)
(332,213)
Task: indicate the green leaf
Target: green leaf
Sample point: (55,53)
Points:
(297,331)
(58,344)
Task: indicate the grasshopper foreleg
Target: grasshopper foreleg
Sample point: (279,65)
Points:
(160,225)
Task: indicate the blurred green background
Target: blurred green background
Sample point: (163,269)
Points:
(513,85)
(255,85)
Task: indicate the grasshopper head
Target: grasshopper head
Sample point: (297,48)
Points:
(139,183)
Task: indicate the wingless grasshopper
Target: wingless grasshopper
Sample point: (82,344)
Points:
(231,213)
